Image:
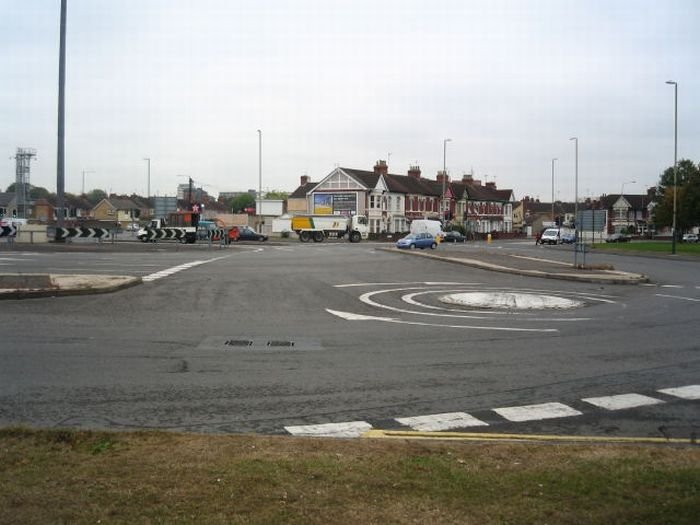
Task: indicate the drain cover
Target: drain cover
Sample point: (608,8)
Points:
(259,344)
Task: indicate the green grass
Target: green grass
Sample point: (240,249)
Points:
(659,247)
(90,477)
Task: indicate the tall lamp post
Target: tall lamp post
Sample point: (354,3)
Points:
(61,146)
(575,139)
(148,188)
(444,172)
(84,172)
(258,210)
(622,194)
(675,161)
(553,190)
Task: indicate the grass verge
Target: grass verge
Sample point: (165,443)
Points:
(62,476)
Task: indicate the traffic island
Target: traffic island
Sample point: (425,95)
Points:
(24,286)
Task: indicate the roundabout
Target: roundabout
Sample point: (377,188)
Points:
(474,306)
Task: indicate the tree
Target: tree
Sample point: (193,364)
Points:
(276,195)
(37,192)
(95,196)
(239,203)
(687,197)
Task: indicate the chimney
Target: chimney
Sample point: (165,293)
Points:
(467,177)
(491,185)
(381,167)
(305,179)
(414,171)
(442,177)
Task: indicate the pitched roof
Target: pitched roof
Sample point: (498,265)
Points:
(122,204)
(637,202)
(302,190)
(479,192)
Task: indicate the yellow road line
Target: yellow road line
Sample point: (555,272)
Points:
(478,436)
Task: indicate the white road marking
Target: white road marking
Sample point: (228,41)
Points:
(622,401)
(367,299)
(678,297)
(349,429)
(399,284)
(536,412)
(358,317)
(684,392)
(671,286)
(170,271)
(446,421)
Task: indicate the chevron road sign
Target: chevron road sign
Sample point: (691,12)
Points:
(217,235)
(167,234)
(8,231)
(81,233)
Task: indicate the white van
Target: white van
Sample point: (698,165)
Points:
(550,236)
(434,228)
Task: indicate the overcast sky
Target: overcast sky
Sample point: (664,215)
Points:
(189,82)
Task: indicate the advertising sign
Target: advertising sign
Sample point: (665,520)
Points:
(344,203)
(323,204)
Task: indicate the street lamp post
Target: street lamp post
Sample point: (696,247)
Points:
(61,146)
(258,210)
(622,194)
(675,161)
(575,139)
(148,188)
(84,172)
(553,190)
(576,225)
(444,172)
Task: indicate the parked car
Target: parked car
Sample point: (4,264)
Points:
(245,233)
(568,238)
(618,237)
(550,236)
(690,237)
(417,240)
(453,236)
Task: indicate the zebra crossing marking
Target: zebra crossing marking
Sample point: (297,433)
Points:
(446,421)
(684,392)
(536,412)
(622,401)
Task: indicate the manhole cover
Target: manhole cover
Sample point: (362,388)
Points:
(510,301)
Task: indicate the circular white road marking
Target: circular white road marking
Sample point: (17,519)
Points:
(510,301)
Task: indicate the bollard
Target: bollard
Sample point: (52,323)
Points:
(488,238)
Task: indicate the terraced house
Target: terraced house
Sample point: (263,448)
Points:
(392,201)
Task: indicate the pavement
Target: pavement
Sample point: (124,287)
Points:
(21,286)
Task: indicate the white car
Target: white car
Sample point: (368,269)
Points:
(690,237)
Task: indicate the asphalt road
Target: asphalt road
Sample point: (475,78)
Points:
(272,338)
